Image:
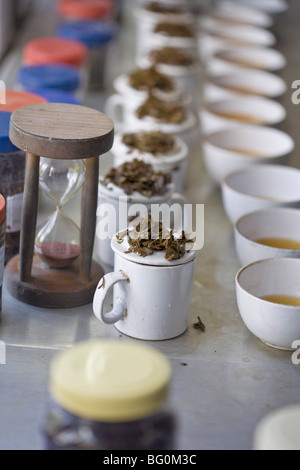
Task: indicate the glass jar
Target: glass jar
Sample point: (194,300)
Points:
(54,50)
(57,77)
(2,243)
(86,10)
(97,37)
(108,394)
(12,170)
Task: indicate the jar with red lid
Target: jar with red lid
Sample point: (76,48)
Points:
(2,243)
(55,50)
(12,168)
(86,9)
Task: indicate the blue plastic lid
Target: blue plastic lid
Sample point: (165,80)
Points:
(91,33)
(5,144)
(57,96)
(54,76)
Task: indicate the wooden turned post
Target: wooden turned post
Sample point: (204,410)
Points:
(67,132)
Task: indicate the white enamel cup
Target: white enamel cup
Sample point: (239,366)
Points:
(175,163)
(151,296)
(115,209)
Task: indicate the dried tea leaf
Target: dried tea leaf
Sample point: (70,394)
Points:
(164,240)
(164,111)
(175,30)
(150,79)
(157,7)
(172,56)
(154,142)
(139,176)
(199,325)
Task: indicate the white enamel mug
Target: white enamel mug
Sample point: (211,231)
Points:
(115,209)
(151,296)
(175,163)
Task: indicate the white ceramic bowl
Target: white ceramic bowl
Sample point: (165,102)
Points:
(228,10)
(254,234)
(260,187)
(230,112)
(236,59)
(269,6)
(276,324)
(236,148)
(244,83)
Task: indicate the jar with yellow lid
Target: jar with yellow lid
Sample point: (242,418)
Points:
(108,394)
(2,243)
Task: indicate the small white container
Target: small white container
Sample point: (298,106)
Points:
(275,324)
(240,147)
(278,430)
(175,163)
(114,211)
(260,187)
(152,296)
(274,223)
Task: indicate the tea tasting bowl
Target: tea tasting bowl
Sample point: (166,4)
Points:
(230,112)
(216,36)
(236,59)
(234,148)
(269,233)
(260,187)
(244,83)
(260,286)
(232,12)
(268,6)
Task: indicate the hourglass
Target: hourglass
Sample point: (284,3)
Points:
(57,242)
(63,142)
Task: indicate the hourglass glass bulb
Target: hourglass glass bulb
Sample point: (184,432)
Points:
(57,241)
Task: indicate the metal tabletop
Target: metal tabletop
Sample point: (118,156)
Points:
(224,379)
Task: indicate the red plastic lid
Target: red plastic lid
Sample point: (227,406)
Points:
(54,50)
(85,9)
(2,210)
(18,99)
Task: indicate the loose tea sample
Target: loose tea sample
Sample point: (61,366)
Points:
(149,79)
(154,142)
(156,238)
(163,111)
(157,7)
(175,30)
(172,56)
(139,176)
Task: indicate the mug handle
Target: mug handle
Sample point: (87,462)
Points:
(114,108)
(104,285)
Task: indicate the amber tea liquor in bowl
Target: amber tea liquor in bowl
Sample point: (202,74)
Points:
(63,142)
(268,299)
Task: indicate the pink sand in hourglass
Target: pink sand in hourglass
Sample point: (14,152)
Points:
(57,254)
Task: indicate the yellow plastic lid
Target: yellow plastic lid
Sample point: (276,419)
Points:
(110,381)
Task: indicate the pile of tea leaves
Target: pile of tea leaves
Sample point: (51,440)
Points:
(172,56)
(150,79)
(157,7)
(155,238)
(164,111)
(138,176)
(154,142)
(175,30)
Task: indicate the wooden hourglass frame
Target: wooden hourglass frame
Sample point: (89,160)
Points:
(66,132)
